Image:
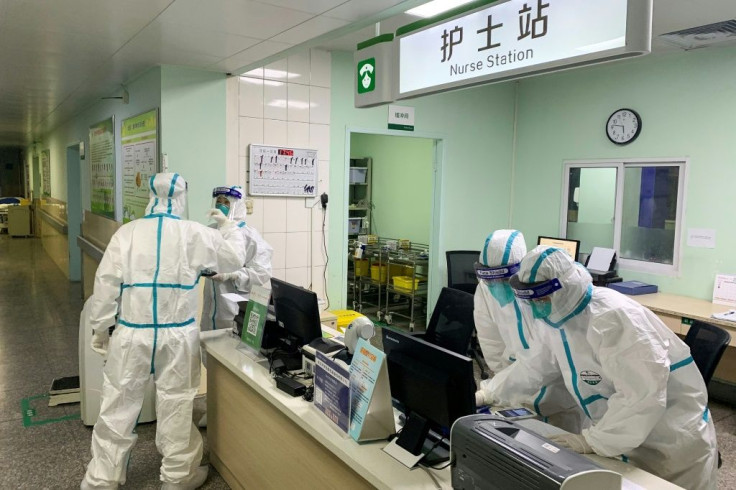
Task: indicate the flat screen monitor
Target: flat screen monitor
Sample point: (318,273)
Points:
(296,310)
(433,385)
(572,247)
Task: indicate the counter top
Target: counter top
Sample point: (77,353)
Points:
(685,306)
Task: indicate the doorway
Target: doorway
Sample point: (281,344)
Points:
(74,210)
(392,195)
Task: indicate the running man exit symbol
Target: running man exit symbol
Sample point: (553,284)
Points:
(367,76)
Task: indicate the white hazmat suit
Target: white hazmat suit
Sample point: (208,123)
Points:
(152,266)
(217,312)
(633,377)
(507,339)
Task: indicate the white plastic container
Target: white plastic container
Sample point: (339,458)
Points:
(354,225)
(358,175)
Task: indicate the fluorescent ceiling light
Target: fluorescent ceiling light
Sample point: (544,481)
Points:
(436,7)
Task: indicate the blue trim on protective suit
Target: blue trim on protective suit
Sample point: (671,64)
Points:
(538,263)
(680,364)
(583,304)
(574,373)
(539,399)
(485,249)
(160,285)
(507,251)
(161,215)
(155,293)
(241,224)
(706,414)
(156,326)
(171,191)
(520,325)
(624,458)
(594,398)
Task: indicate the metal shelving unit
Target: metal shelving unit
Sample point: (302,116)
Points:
(415,305)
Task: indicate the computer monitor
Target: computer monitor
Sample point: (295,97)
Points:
(297,311)
(572,247)
(433,386)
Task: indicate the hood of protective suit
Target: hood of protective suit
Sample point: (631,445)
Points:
(168,195)
(503,247)
(238,212)
(544,263)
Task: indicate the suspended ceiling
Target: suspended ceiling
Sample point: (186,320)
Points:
(59,57)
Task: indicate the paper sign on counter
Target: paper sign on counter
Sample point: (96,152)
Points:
(724,290)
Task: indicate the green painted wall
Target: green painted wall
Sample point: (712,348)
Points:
(687,102)
(476,126)
(193,131)
(401,183)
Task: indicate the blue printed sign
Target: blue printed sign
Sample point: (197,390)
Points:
(332,390)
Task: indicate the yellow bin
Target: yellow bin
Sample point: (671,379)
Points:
(379,273)
(404,283)
(344,318)
(362,267)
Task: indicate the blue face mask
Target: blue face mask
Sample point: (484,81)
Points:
(225,210)
(501,291)
(541,309)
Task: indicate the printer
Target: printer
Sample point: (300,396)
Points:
(493,453)
(601,263)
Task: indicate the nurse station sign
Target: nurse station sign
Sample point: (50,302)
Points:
(503,40)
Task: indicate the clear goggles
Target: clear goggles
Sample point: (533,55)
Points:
(485,273)
(227,191)
(534,290)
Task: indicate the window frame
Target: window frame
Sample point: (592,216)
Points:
(620,165)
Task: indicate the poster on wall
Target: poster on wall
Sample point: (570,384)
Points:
(102,167)
(278,171)
(139,149)
(46,173)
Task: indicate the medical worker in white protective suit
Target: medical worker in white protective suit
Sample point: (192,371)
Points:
(217,312)
(631,375)
(508,340)
(152,265)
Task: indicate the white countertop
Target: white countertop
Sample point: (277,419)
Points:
(366,459)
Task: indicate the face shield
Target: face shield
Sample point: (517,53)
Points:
(496,279)
(225,199)
(536,294)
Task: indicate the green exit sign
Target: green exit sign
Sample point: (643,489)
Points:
(367,76)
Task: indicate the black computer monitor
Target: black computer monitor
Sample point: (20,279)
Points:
(452,324)
(433,386)
(296,310)
(572,247)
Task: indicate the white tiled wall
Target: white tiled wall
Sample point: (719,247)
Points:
(287,103)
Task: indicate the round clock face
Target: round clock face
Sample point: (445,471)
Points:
(623,126)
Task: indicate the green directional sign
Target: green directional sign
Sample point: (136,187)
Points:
(366,76)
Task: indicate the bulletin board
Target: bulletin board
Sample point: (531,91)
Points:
(46,173)
(283,171)
(139,149)
(102,167)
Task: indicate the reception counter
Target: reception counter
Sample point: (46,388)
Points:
(259,437)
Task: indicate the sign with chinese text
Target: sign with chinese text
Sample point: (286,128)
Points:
(102,168)
(255,317)
(400,117)
(139,149)
(371,413)
(332,390)
(373,71)
(517,38)
(46,173)
(279,171)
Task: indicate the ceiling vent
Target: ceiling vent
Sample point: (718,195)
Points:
(702,36)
